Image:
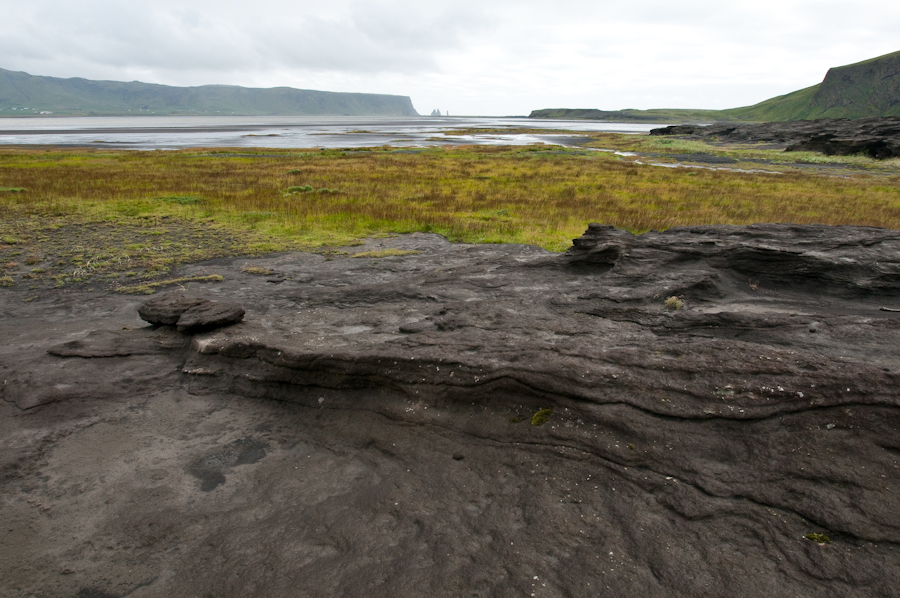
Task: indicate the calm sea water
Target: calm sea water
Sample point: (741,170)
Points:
(175,132)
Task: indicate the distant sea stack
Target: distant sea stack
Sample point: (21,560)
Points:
(22,94)
(862,90)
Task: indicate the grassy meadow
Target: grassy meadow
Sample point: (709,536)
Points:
(116,218)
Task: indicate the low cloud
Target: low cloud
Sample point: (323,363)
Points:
(165,37)
(471,57)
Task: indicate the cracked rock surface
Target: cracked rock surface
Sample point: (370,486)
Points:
(366,429)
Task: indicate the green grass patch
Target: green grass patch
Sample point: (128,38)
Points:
(385,253)
(183,200)
(13,189)
(150,287)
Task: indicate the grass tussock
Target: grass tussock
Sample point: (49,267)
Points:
(674,303)
(97,215)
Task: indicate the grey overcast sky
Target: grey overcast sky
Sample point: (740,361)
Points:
(471,57)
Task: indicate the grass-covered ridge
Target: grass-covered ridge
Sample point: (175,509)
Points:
(119,218)
(30,94)
(865,89)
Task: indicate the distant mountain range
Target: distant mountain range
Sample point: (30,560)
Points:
(22,94)
(865,89)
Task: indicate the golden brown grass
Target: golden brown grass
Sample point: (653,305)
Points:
(536,194)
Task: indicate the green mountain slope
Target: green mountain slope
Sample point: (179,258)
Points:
(791,106)
(860,90)
(30,94)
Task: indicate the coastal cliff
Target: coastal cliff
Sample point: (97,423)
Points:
(22,94)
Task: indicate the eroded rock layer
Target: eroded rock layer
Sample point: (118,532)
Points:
(723,421)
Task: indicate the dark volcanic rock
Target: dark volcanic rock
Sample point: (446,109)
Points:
(209,315)
(842,261)
(876,137)
(165,310)
(687,452)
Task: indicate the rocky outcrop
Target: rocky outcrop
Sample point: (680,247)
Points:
(875,137)
(715,399)
(189,314)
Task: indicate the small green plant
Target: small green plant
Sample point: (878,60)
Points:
(385,253)
(819,538)
(674,303)
(6,281)
(515,420)
(13,189)
(541,416)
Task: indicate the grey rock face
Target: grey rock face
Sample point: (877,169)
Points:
(876,137)
(711,437)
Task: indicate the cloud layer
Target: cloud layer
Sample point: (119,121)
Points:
(469,57)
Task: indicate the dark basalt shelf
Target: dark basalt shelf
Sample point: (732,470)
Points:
(366,428)
(875,137)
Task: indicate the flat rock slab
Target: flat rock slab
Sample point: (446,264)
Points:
(367,429)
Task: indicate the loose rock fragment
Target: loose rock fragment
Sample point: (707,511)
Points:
(165,310)
(189,314)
